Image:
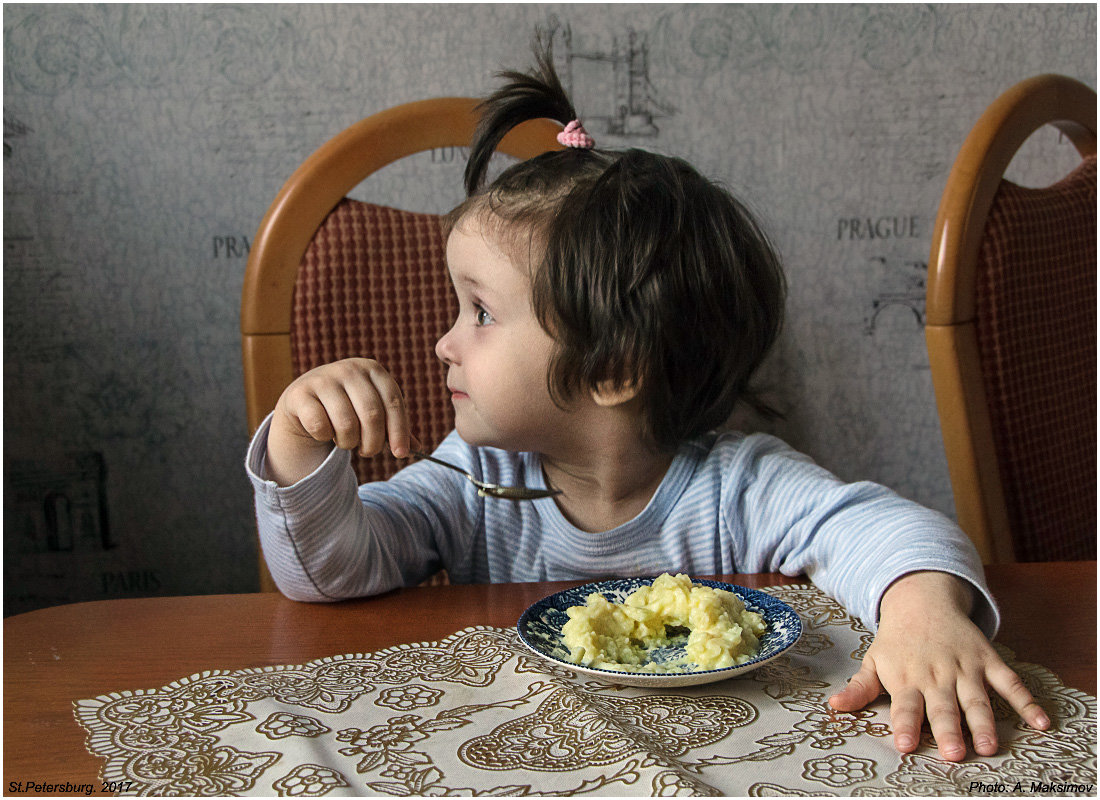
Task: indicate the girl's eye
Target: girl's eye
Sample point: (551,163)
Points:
(483,316)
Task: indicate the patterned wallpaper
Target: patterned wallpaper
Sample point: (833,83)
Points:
(142,144)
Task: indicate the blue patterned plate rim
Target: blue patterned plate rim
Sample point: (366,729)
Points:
(540,625)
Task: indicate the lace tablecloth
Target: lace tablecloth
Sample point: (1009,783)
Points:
(477,713)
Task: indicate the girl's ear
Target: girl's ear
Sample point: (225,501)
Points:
(609,393)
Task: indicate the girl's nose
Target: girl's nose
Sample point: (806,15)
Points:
(445,348)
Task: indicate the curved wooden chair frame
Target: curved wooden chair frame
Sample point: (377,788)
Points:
(950,309)
(308,196)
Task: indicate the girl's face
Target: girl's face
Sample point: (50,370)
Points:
(496,352)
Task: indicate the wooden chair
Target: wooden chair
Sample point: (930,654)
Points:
(1011,332)
(329,277)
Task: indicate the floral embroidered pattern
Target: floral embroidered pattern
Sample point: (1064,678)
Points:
(473,660)
(309,780)
(929,776)
(829,728)
(206,773)
(782,678)
(399,733)
(810,644)
(282,724)
(775,790)
(390,747)
(570,728)
(816,608)
(839,770)
(305,688)
(153,710)
(414,695)
(476,713)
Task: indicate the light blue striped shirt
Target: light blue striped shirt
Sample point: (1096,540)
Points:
(728,503)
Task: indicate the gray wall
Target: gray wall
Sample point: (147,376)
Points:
(142,145)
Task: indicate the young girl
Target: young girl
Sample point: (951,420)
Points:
(613,306)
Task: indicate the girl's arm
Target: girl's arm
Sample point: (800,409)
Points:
(905,570)
(854,540)
(321,540)
(324,538)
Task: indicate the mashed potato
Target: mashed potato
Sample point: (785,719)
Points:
(721,633)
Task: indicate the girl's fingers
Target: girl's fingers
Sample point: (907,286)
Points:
(342,416)
(974,702)
(1008,685)
(380,406)
(864,688)
(397,415)
(942,707)
(311,416)
(354,403)
(906,718)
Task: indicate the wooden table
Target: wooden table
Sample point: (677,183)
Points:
(57,655)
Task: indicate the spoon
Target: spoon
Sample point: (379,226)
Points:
(491,489)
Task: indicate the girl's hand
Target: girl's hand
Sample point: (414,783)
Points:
(354,403)
(931,659)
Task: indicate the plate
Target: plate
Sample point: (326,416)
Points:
(541,624)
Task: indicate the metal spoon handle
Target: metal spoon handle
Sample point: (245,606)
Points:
(491,489)
(441,463)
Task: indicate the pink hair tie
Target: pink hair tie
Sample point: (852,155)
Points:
(575,135)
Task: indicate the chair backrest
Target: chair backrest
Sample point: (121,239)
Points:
(328,277)
(1011,332)
(372,283)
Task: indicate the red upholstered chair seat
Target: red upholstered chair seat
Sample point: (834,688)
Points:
(373,283)
(1038,355)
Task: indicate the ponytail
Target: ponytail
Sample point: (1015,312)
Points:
(535,94)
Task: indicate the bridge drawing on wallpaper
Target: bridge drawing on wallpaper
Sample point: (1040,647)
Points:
(904,287)
(616,78)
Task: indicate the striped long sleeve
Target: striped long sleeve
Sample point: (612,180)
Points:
(728,503)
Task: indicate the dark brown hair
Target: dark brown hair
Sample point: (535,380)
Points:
(646,273)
